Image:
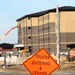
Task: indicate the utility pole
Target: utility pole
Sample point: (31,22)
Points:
(58,34)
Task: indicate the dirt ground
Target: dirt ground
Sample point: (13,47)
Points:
(67,66)
(14,68)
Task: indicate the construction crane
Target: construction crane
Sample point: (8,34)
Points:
(9,31)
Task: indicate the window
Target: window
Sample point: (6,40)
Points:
(29,37)
(29,27)
(29,46)
(29,18)
(30,49)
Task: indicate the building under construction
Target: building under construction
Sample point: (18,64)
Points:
(38,30)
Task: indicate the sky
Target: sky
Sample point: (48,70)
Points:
(11,10)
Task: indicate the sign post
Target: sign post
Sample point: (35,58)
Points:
(5,65)
(41,63)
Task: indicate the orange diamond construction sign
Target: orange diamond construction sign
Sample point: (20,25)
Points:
(41,63)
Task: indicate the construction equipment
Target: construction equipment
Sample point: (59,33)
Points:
(9,31)
(21,51)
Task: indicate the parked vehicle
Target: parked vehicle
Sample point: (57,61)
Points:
(64,53)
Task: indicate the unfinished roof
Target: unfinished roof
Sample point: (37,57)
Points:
(64,8)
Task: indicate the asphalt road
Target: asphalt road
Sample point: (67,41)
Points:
(59,73)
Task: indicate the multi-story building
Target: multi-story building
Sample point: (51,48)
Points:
(38,30)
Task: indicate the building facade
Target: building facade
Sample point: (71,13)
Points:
(38,30)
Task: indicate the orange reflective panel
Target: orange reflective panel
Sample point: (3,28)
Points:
(41,63)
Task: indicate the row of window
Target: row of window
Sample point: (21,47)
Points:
(34,29)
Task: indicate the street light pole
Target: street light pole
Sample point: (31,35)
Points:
(57,34)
